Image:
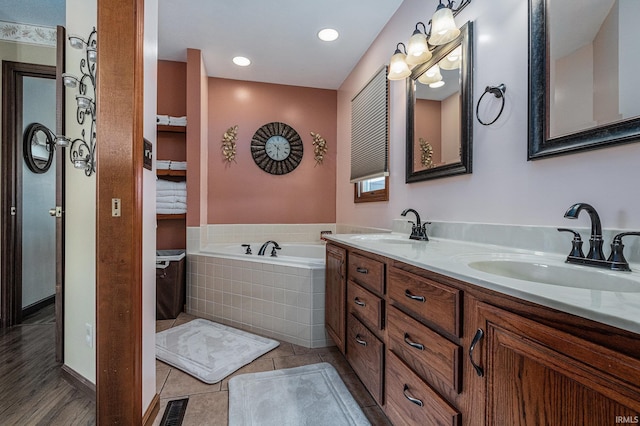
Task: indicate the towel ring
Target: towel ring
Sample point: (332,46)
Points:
(498,92)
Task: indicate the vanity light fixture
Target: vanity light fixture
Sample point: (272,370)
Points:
(442,30)
(82,153)
(452,60)
(436,84)
(398,68)
(328,34)
(241,61)
(431,76)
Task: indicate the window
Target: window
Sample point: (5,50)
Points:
(370,140)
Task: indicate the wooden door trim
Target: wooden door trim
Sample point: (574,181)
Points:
(11,253)
(61,156)
(119,174)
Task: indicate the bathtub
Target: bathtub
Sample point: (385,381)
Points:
(280,297)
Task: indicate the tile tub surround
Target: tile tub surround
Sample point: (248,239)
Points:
(281,302)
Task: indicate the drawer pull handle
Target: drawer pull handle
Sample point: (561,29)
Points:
(474,342)
(362,270)
(359,302)
(412,297)
(410,398)
(360,341)
(413,344)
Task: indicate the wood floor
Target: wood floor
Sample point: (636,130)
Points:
(32,389)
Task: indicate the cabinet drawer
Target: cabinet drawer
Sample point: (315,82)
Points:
(430,355)
(410,401)
(365,305)
(367,272)
(365,354)
(428,300)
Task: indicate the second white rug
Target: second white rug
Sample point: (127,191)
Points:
(209,351)
(309,395)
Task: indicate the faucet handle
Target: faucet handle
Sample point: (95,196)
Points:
(617,255)
(576,243)
(248,248)
(274,253)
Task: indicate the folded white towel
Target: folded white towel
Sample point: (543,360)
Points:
(163,164)
(161,198)
(162,119)
(178,121)
(170,211)
(176,206)
(169,184)
(171,193)
(178,165)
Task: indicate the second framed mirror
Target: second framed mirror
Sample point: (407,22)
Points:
(440,112)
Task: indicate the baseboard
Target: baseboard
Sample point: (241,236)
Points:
(79,382)
(35,307)
(152,412)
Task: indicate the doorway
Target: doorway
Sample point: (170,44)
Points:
(32,248)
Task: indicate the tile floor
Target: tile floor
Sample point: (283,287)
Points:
(208,404)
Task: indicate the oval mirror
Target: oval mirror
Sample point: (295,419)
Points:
(439,111)
(38,147)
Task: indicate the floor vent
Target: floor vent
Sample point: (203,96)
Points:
(174,413)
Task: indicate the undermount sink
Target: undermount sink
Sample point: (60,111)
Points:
(553,273)
(384,238)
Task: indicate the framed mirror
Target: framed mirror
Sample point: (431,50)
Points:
(38,147)
(583,87)
(440,111)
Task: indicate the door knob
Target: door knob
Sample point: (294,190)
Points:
(56,212)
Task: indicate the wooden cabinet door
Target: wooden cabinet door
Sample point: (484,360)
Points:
(335,295)
(537,375)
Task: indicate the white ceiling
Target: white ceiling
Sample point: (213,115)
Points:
(279,36)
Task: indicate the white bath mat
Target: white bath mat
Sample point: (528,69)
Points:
(209,351)
(309,395)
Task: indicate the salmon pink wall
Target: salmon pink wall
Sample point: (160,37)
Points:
(241,192)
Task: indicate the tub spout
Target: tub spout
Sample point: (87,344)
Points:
(273,251)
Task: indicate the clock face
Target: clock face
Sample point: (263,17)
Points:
(276,148)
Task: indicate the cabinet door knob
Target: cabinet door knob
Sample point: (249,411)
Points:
(360,341)
(479,335)
(359,302)
(412,297)
(419,346)
(410,398)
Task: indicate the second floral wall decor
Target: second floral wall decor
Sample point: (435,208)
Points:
(319,147)
(229,144)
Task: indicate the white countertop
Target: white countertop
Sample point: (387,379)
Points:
(450,257)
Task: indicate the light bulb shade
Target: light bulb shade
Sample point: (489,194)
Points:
(62,141)
(452,60)
(92,54)
(417,49)
(443,27)
(80,163)
(436,84)
(398,68)
(76,41)
(70,81)
(431,76)
(84,102)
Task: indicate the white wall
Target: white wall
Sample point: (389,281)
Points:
(149,207)
(504,187)
(80,220)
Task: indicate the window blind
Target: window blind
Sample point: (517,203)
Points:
(370,129)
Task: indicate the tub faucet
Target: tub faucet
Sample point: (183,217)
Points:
(418,230)
(273,250)
(595,241)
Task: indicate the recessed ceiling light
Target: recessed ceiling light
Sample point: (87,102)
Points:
(241,61)
(328,34)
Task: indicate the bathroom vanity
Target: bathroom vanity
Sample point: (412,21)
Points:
(436,343)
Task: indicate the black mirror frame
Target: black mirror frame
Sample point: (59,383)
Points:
(465,39)
(33,164)
(540,145)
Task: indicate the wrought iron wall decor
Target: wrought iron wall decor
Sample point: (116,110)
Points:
(82,150)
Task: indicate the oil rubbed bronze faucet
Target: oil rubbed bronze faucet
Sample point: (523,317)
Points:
(418,229)
(273,250)
(595,256)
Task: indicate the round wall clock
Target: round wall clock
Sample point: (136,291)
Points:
(276,148)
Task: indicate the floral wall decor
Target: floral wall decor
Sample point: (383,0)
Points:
(426,154)
(319,147)
(229,144)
